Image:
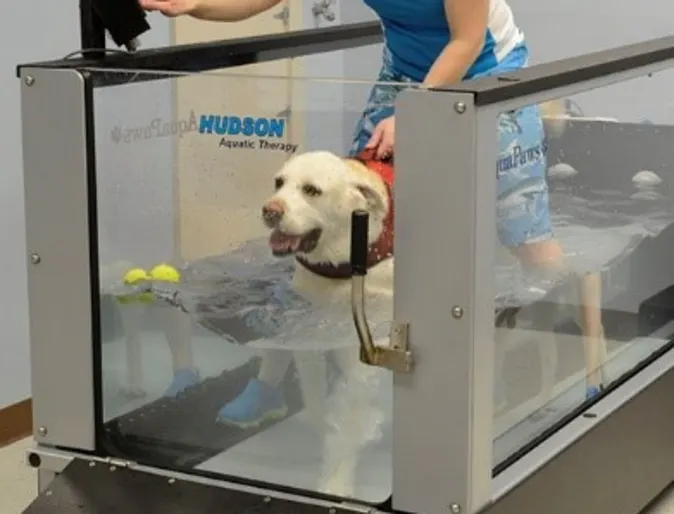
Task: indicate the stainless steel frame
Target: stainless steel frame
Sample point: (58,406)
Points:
(447,143)
(443,409)
(53,109)
(615,459)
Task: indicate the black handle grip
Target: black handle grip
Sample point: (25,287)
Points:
(124,19)
(359,242)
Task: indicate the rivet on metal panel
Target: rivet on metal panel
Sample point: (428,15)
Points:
(29,80)
(460,107)
(42,431)
(35,258)
(171,481)
(455,508)
(457,312)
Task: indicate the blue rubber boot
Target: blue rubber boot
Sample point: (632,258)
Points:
(258,403)
(182,379)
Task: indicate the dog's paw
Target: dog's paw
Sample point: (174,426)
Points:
(339,480)
(133,392)
(335,486)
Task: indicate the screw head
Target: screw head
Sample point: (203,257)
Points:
(457,312)
(29,80)
(42,431)
(460,107)
(35,258)
(455,508)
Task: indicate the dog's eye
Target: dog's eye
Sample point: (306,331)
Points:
(311,190)
(278,183)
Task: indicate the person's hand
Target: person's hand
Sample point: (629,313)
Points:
(383,138)
(169,7)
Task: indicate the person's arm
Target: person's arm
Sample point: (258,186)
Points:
(231,10)
(468,24)
(211,10)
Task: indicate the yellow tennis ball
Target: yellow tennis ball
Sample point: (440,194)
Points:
(165,273)
(145,297)
(135,275)
(130,278)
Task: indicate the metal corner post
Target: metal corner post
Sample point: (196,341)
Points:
(442,460)
(55,157)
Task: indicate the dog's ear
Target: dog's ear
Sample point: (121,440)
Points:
(376,204)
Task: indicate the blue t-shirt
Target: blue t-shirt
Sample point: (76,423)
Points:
(417,31)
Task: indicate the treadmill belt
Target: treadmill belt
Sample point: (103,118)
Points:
(182,432)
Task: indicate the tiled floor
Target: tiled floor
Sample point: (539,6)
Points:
(18,483)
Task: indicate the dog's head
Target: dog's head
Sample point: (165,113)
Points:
(310,211)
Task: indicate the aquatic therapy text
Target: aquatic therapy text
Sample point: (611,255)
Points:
(267,131)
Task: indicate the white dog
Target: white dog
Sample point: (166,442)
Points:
(310,216)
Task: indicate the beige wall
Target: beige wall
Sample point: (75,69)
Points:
(219,190)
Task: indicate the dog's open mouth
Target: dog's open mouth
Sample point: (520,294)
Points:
(286,244)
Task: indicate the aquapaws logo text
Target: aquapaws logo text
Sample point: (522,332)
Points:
(158,127)
(247,132)
(515,156)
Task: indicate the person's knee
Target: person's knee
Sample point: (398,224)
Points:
(541,254)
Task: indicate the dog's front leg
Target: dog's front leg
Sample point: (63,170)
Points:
(354,420)
(311,368)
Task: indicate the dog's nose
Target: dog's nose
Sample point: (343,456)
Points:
(272,212)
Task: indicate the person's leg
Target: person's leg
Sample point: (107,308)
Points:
(132,316)
(177,327)
(524,224)
(380,104)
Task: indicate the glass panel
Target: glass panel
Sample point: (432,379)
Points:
(586,301)
(222,353)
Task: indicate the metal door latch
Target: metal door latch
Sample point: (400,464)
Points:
(397,355)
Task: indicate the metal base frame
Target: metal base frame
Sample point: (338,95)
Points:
(615,459)
(92,488)
(620,460)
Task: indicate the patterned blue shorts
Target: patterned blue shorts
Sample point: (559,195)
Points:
(522,193)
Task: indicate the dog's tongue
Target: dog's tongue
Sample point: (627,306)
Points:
(284,243)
